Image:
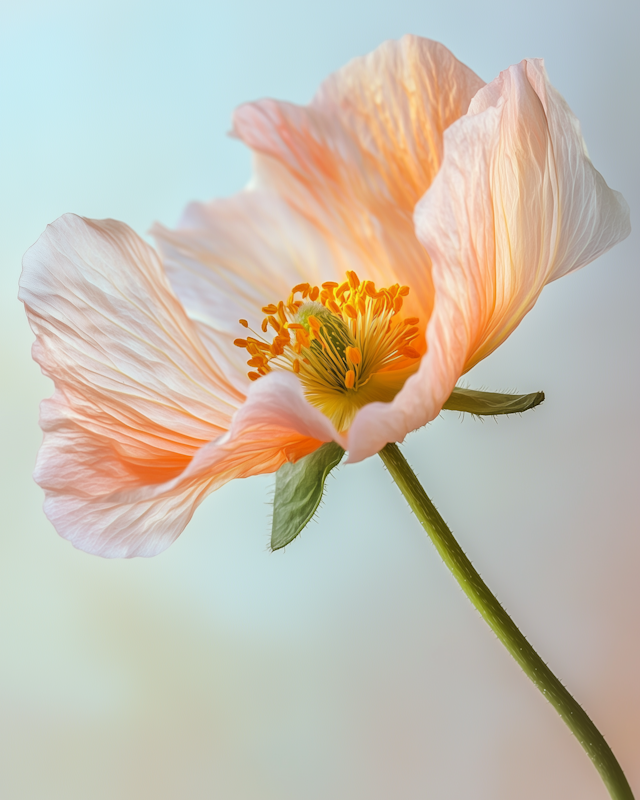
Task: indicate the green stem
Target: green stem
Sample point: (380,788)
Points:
(503,626)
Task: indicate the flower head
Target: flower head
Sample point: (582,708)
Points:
(396,232)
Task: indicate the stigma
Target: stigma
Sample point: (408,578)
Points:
(348,343)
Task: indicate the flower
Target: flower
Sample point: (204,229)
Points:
(396,232)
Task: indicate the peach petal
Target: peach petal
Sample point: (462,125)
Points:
(516,204)
(126,455)
(76,469)
(397,102)
(358,158)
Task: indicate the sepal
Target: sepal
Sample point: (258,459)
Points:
(299,489)
(491,403)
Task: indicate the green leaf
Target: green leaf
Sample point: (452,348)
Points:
(482,403)
(299,489)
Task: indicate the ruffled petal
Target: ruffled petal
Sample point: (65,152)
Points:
(516,203)
(91,501)
(228,258)
(358,158)
(138,397)
(396,103)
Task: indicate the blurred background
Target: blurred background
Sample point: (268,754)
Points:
(351,666)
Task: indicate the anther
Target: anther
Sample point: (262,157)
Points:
(240,342)
(296,366)
(370,289)
(353,354)
(349,379)
(244,323)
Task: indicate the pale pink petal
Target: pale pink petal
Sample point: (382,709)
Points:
(138,397)
(228,258)
(593,217)
(358,158)
(92,502)
(516,204)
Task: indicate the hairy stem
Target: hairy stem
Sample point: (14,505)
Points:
(504,627)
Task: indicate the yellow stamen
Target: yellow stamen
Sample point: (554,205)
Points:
(353,354)
(347,342)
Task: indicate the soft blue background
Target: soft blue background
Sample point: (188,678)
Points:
(350,667)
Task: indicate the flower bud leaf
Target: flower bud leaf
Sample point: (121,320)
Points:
(299,489)
(491,403)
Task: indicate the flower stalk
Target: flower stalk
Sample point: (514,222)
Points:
(504,627)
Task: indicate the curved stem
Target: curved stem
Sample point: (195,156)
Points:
(504,627)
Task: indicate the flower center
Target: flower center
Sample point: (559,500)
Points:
(349,344)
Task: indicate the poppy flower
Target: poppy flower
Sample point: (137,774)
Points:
(396,231)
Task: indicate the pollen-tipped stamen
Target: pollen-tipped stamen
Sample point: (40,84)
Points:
(347,342)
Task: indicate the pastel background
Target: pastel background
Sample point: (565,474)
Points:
(350,667)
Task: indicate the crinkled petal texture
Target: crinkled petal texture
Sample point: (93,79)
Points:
(517,203)
(143,422)
(356,160)
(232,256)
